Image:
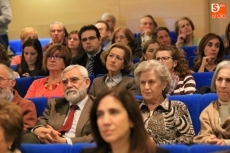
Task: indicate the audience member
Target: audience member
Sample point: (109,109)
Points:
(163,118)
(161,34)
(55,60)
(110,19)
(210,53)
(4,59)
(26,33)
(90,40)
(105,34)
(11,126)
(74,45)
(31,62)
(117,125)
(184,28)
(66,120)
(118,61)
(5,19)
(124,35)
(146,27)
(214,119)
(57,33)
(183,82)
(7,83)
(227,40)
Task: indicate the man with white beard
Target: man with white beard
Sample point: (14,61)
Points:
(57,125)
(7,83)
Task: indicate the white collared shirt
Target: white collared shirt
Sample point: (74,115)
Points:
(77,114)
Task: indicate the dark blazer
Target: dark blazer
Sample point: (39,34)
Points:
(127,82)
(55,113)
(93,150)
(99,67)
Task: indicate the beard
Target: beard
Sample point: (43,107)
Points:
(5,93)
(74,95)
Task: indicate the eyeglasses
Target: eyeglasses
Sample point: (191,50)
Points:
(163,59)
(89,38)
(55,57)
(72,80)
(116,57)
(2,80)
(121,37)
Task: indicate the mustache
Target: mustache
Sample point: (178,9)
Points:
(71,90)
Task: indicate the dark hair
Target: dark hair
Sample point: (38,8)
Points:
(64,53)
(106,24)
(159,29)
(151,17)
(181,68)
(183,18)
(227,36)
(139,139)
(23,67)
(4,58)
(11,121)
(87,28)
(128,64)
(80,48)
(201,47)
(146,45)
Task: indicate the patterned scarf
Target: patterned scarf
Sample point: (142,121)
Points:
(173,85)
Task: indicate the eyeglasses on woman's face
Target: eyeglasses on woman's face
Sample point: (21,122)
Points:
(163,59)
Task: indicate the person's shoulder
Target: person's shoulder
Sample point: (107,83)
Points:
(161,150)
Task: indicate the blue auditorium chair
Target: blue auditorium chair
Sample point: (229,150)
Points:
(176,148)
(190,51)
(208,148)
(193,104)
(40,104)
(45,148)
(202,79)
(76,148)
(207,99)
(135,60)
(191,61)
(23,85)
(44,41)
(173,35)
(13,67)
(16,46)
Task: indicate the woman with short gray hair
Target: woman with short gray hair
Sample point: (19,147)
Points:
(163,118)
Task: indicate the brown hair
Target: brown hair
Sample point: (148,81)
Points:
(4,58)
(183,18)
(146,45)
(11,122)
(128,64)
(64,52)
(227,36)
(201,47)
(139,139)
(181,68)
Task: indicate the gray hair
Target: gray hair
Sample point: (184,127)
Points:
(57,22)
(110,15)
(221,65)
(10,73)
(83,71)
(159,68)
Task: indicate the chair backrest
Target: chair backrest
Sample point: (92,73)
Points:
(202,79)
(191,61)
(16,46)
(76,148)
(176,148)
(135,60)
(13,67)
(44,148)
(208,148)
(44,41)
(23,85)
(190,51)
(173,35)
(40,104)
(207,99)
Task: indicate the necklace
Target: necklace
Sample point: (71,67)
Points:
(51,87)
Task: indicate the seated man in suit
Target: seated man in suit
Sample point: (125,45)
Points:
(57,34)
(146,27)
(66,120)
(7,92)
(90,39)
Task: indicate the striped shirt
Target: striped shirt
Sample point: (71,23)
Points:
(185,86)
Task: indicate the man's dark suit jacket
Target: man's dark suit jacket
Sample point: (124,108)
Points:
(55,113)
(99,67)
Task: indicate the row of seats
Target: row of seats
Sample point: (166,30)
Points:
(195,104)
(23,84)
(76,148)
(16,46)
